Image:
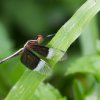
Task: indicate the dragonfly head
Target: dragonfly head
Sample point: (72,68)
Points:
(40,39)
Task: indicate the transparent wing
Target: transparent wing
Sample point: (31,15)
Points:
(43,68)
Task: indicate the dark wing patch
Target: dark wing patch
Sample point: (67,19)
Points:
(33,62)
(49,53)
(41,50)
(29,59)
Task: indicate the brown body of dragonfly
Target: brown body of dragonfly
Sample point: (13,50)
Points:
(30,54)
(28,58)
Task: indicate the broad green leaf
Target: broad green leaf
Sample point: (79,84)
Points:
(47,92)
(87,64)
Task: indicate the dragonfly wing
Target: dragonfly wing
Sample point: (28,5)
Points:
(37,57)
(43,67)
(49,53)
(42,50)
(29,59)
(33,62)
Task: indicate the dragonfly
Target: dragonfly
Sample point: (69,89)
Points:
(32,55)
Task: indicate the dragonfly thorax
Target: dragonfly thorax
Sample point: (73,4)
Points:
(30,43)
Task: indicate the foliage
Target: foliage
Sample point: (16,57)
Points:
(81,69)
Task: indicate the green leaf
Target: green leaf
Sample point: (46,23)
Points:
(88,64)
(68,33)
(26,85)
(78,90)
(71,30)
(47,92)
(95,94)
(89,37)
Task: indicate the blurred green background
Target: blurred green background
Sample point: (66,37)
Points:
(22,20)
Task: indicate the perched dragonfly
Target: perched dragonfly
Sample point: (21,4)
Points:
(32,54)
